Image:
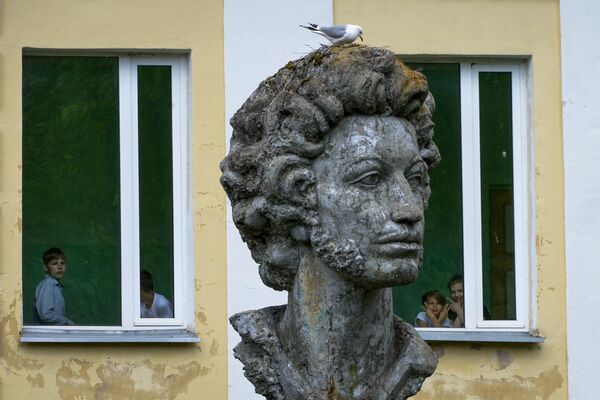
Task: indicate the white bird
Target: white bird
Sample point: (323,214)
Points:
(337,34)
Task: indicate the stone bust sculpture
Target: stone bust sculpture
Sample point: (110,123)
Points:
(328,179)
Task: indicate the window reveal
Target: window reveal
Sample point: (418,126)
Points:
(104,178)
(478,216)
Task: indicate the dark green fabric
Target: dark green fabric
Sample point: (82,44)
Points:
(71,182)
(495,120)
(443,218)
(156,176)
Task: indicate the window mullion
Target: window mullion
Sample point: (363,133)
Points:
(178,192)
(186,212)
(475,133)
(471,195)
(519,197)
(520,194)
(129,191)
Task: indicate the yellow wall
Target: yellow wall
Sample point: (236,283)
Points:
(496,27)
(110,371)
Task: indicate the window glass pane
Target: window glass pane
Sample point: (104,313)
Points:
(156,186)
(495,115)
(71,182)
(443,226)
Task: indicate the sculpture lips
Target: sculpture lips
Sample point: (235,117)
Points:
(395,237)
(394,244)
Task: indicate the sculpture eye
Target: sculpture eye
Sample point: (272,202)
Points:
(415,181)
(369,179)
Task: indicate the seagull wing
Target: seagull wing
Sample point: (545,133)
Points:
(334,32)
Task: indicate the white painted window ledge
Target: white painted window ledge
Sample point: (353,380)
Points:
(41,335)
(443,335)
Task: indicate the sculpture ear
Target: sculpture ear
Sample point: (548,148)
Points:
(291,180)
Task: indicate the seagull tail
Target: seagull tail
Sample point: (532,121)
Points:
(311,27)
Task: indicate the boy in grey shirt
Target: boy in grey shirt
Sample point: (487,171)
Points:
(48,303)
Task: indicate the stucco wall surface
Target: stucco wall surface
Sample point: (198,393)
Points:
(276,39)
(87,371)
(497,28)
(581,99)
(437,27)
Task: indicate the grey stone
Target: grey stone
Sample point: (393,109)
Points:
(328,179)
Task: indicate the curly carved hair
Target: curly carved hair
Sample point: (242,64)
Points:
(283,126)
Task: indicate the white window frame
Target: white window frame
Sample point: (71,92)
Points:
(523,328)
(181,327)
(471,178)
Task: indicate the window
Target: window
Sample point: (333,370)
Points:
(106,179)
(478,225)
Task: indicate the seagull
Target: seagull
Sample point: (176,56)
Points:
(337,34)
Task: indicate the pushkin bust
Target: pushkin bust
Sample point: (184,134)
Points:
(328,180)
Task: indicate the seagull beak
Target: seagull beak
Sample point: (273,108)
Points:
(361,39)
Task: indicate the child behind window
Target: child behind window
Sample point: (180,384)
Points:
(456,309)
(435,311)
(153,305)
(48,303)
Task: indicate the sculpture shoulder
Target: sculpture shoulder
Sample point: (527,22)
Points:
(258,325)
(260,349)
(413,345)
(262,354)
(415,361)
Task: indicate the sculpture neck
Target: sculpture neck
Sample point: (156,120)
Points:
(341,332)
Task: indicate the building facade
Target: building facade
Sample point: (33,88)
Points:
(152,86)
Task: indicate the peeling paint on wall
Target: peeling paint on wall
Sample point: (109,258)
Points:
(36,381)
(201,318)
(504,359)
(77,379)
(81,379)
(214,347)
(540,242)
(476,346)
(10,356)
(450,386)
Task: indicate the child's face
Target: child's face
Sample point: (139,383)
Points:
(434,306)
(56,268)
(457,292)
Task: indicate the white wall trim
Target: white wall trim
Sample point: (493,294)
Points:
(260,37)
(580,32)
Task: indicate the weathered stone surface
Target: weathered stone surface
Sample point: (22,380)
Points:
(269,367)
(328,179)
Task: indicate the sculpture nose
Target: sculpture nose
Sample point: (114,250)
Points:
(406,213)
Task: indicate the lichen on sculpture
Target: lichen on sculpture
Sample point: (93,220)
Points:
(328,179)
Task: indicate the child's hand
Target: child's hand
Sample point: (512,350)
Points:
(444,313)
(428,312)
(459,320)
(456,307)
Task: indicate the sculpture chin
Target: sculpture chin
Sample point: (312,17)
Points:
(380,267)
(395,272)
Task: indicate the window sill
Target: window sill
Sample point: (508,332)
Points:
(41,335)
(434,335)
